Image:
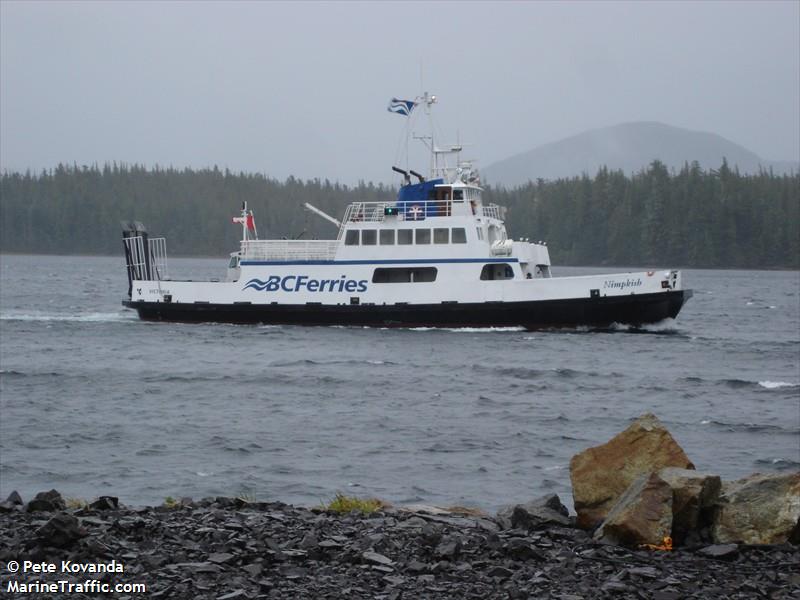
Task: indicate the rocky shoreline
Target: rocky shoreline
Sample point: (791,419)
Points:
(229,548)
(648,526)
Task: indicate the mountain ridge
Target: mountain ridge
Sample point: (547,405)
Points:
(630,147)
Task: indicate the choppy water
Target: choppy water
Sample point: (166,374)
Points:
(94,401)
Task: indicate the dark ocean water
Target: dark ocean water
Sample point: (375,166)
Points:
(93,401)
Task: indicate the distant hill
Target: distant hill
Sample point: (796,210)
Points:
(630,147)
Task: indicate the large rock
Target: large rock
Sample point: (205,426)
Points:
(46,502)
(694,496)
(642,515)
(105,503)
(62,531)
(13,502)
(546,510)
(759,509)
(600,475)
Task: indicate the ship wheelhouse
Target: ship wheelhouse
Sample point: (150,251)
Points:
(439,220)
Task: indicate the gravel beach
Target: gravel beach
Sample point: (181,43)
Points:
(228,548)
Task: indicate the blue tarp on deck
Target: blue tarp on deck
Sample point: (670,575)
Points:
(416,201)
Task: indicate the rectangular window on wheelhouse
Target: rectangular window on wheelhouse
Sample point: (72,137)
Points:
(459,235)
(369,237)
(441,235)
(405,237)
(422,236)
(480,232)
(351,237)
(387,237)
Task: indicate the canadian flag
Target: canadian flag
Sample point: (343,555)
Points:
(249,221)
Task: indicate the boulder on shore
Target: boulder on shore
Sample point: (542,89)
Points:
(61,531)
(694,496)
(105,503)
(759,509)
(46,502)
(543,511)
(642,515)
(600,475)
(13,502)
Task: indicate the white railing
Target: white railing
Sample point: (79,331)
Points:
(158,258)
(289,249)
(135,258)
(408,210)
(412,210)
(138,260)
(365,211)
(493,211)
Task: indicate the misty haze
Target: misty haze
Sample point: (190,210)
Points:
(393,300)
(281,89)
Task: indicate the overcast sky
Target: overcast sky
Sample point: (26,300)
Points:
(302,88)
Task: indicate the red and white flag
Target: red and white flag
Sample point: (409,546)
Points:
(249,221)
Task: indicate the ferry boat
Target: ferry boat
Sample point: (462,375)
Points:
(437,256)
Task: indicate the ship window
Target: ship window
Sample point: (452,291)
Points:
(443,193)
(404,236)
(480,232)
(459,235)
(458,194)
(369,237)
(351,237)
(497,271)
(404,275)
(234,262)
(441,235)
(387,237)
(422,236)
(424,274)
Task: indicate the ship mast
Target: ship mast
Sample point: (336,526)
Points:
(248,223)
(438,160)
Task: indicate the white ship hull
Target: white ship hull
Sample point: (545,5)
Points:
(344,294)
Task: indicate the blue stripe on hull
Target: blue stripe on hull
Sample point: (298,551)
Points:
(421,261)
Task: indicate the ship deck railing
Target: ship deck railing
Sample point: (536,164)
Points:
(366,211)
(158,257)
(140,266)
(493,211)
(416,210)
(285,250)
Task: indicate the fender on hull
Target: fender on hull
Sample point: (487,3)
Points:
(635,309)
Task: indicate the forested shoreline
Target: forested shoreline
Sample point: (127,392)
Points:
(693,217)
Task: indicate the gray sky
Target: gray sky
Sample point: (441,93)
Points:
(301,89)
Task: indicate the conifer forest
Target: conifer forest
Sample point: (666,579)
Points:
(715,218)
